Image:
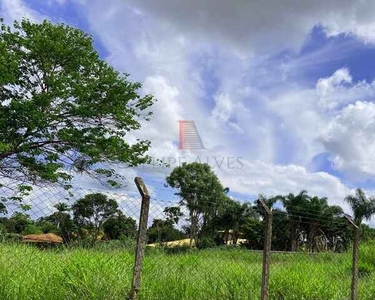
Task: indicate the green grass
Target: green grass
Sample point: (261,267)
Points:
(29,273)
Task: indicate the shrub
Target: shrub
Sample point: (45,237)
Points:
(206,242)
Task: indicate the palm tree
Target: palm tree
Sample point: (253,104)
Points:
(232,217)
(319,216)
(61,209)
(293,205)
(269,201)
(363,207)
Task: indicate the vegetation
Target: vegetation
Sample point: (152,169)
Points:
(94,217)
(362,206)
(221,273)
(303,222)
(63,108)
(300,222)
(92,211)
(201,193)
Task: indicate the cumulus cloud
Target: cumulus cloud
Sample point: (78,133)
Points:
(350,137)
(337,90)
(261,177)
(232,94)
(244,120)
(228,113)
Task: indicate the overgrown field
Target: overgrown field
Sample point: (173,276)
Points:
(29,273)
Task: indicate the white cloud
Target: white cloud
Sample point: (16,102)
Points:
(261,177)
(248,27)
(167,110)
(162,44)
(337,90)
(16,10)
(350,138)
(227,113)
(244,119)
(328,87)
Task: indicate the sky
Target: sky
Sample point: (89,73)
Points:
(281,92)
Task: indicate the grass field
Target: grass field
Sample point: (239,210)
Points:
(30,273)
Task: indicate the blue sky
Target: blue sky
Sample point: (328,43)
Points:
(287,90)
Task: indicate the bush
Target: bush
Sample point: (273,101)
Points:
(31,229)
(206,242)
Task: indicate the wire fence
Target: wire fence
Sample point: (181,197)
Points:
(149,243)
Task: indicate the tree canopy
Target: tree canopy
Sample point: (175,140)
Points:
(93,210)
(200,191)
(63,107)
(362,206)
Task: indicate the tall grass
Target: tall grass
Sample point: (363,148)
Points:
(29,273)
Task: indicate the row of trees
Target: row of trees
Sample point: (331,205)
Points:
(208,216)
(300,221)
(92,217)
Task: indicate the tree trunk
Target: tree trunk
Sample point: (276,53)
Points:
(191,235)
(226,235)
(293,237)
(95,237)
(312,233)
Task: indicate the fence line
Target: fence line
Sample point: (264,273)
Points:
(266,257)
(151,208)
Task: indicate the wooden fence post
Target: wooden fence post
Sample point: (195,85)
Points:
(141,239)
(266,250)
(354,287)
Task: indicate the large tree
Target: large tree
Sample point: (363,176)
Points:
(119,226)
(201,192)
(62,107)
(233,216)
(92,211)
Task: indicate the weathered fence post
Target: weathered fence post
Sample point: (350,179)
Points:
(354,288)
(266,250)
(141,239)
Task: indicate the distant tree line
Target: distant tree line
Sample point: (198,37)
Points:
(300,221)
(208,217)
(91,218)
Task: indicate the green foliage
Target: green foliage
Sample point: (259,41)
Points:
(61,106)
(232,216)
(32,229)
(200,191)
(17,223)
(362,206)
(92,211)
(163,231)
(253,230)
(47,227)
(367,233)
(313,224)
(280,231)
(59,222)
(120,226)
(173,214)
(206,242)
